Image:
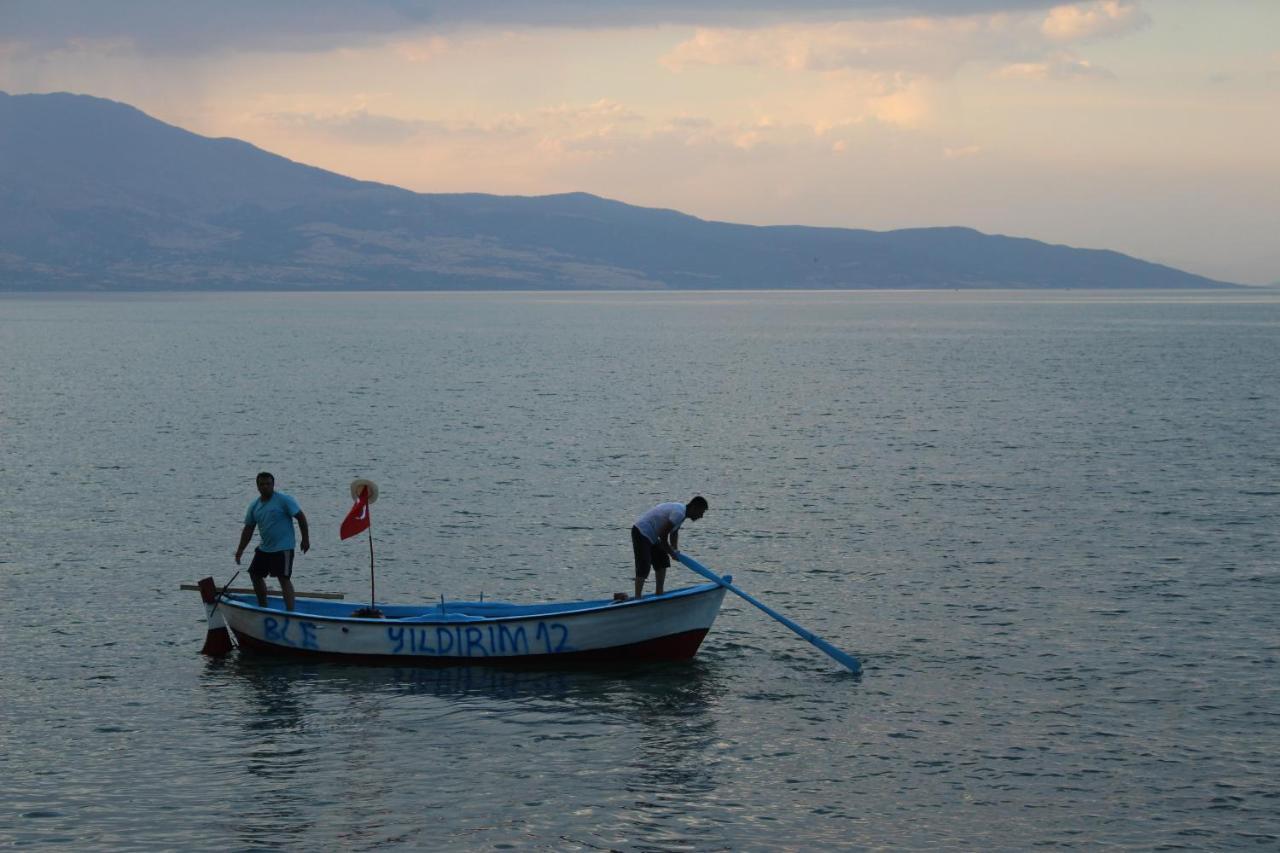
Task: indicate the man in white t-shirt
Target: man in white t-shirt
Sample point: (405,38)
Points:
(655,536)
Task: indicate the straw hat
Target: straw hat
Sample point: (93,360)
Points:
(357,485)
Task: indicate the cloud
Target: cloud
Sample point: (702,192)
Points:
(689,123)
(601,129)
(175,26)
(1084,21)
(683,133)
(601,110)
(566,126)
(691,138)
(1058,66)
(361,127)
(961,153)
(425,49)
(935,46)
(1027,44)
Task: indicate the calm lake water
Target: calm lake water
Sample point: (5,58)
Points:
(1047,523)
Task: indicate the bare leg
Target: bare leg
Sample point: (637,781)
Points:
(639,586)
(260,590)
(661,576)
(286,587)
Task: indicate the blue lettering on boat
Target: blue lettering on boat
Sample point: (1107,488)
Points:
(470,641)
(519,640)
(553,645)
(475,640)
(277,631)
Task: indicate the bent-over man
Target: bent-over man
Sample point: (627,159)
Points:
(655,538)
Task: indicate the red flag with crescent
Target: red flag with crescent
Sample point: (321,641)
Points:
(358,519)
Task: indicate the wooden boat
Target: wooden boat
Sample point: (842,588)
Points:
(670,626)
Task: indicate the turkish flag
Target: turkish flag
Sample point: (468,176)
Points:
(358,519)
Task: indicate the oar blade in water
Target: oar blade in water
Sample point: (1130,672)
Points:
(847,660)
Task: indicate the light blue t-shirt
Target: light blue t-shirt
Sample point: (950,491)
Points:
(274,520)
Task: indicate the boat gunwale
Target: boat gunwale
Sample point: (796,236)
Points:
(685,592)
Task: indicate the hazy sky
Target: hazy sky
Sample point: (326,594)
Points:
(1147,126)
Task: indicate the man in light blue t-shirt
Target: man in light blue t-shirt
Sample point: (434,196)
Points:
(272,514)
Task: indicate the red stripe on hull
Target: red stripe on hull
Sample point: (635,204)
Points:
(675,647)
(217,642)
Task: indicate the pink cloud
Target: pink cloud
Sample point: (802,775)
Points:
(1083,21)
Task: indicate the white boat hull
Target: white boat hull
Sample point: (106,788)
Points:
(667,627)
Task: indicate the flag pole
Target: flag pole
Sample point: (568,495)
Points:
(360,518)
(372,598)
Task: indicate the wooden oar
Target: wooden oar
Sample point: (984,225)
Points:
(847,659)
(247,590)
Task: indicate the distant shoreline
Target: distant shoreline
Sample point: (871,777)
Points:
(1100,294)
(89,208)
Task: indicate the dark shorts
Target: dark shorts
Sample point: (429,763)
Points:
(647,554)
(277,564)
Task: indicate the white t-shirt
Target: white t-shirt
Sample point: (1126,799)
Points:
(661,520)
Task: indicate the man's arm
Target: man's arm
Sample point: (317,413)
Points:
(245,536)
(306,536)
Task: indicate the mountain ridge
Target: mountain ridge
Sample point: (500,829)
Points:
(96,194)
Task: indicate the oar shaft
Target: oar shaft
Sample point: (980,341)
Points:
(218,599)
(848,660)
(247,590)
